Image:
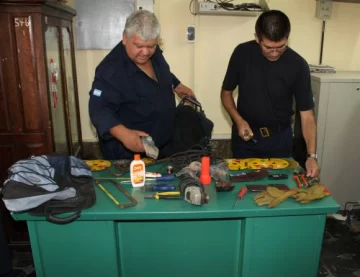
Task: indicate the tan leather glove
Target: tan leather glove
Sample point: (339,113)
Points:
(263,198)
(315,192)
(279,195)
(272,197)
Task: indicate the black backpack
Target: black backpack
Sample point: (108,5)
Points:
(192,128)
(49,185)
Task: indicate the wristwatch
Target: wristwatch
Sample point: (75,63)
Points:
(315,156)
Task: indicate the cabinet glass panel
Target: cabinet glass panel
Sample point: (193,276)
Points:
(66,38)
(56,96)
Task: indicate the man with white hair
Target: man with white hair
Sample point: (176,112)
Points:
(132,94)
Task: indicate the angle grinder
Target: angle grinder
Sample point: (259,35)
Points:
(192,190)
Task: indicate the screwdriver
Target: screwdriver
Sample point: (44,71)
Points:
(164,195)
(240,195)
(250,136)
(167,177)
(161,187)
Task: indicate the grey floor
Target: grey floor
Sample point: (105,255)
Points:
(340,255)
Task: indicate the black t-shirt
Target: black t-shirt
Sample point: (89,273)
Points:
(266,88)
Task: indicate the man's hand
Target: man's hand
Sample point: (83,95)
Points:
(183,91)
(312,167)
(244,130)
(130,138)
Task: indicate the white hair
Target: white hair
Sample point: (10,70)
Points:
(143,24)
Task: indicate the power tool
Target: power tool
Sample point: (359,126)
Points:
(192,190)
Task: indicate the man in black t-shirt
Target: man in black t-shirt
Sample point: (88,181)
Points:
(269,75)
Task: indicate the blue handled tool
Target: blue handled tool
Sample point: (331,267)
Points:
(167,177)
(162,187)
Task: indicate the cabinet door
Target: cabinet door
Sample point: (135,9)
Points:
(341,158)
(208,248)
(56,91)
(273,245)
(73,115)
(321,98)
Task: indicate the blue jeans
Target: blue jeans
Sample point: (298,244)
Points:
(278,145)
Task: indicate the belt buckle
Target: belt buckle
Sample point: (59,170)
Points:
(264,132)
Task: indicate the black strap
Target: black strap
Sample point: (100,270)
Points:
(193,101)
(63,220)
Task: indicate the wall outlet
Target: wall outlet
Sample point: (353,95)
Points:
(323,9)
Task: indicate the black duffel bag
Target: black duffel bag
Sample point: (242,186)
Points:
(49,185)
(192,127)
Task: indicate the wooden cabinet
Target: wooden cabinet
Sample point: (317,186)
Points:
(337,109)
(38,89)
(39,107)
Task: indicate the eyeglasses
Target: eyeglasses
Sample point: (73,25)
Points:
(278,49)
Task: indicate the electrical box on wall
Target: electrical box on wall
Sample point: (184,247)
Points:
(323,9)
(239,8)
(144,5)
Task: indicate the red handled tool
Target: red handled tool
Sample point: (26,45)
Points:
(240,195)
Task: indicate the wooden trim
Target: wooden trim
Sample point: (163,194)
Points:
(76,92)
(65,90)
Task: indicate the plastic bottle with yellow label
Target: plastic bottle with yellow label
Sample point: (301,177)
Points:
(137,172)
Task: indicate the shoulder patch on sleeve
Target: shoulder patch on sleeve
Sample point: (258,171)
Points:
(97,92)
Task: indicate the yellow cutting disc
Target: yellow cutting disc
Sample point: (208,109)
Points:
(236,164)
(272,163)
(255,163)
(148,160)
(96,165)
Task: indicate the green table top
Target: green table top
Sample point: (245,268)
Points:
(220,204)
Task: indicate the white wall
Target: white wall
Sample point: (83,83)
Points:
(201,65)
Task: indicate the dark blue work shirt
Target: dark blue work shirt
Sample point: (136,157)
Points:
(122,93)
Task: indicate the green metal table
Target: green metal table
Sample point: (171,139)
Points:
(176,239)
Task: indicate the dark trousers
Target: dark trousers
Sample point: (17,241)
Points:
(277,145)
(5,257)
(115,150)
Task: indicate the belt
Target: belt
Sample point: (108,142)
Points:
(268,131)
